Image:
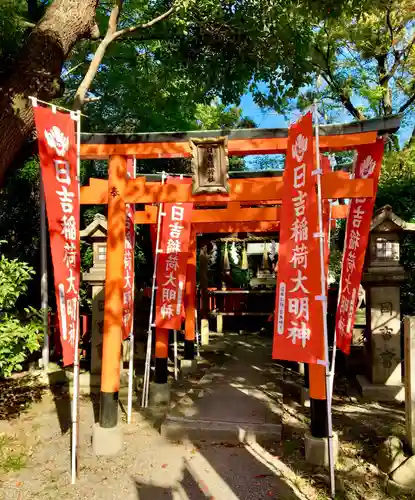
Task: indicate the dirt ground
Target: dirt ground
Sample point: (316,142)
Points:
(35,459)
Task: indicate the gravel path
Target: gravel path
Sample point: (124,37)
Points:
(149,468)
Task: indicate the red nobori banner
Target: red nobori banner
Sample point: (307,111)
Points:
(172,262)
(298,327)
(368,164)
(58,160)
(128,311)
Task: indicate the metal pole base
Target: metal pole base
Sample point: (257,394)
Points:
(189,349)
(160,372)
(318,409)
(108,416)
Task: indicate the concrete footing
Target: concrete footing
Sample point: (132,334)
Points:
(106,442)
(159,394)
(316,449)
(305,397)
(188,366)
(204,331)
(380,392)
(219,323)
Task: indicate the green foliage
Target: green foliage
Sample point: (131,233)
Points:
(268,162)
(335,264)
(14,276)
(19,337)
(154,79)
(216,116)
(366,61)
(12,455)
(396,184)
(17,18)
(20,331)
(19,224)
(397,188)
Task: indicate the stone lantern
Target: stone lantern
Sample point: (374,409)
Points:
(382,277)
(96,234)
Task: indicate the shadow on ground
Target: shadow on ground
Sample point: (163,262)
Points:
(17,394)
(59,387)
(238,397)
(362,427)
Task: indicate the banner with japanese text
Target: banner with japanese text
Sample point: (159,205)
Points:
(368,165)
(58,161)
(172,262)
(298,327)
(128,311)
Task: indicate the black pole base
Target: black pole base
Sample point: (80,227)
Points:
(160,371)
(306,376)
(108,414)
(318,408)
(189,349)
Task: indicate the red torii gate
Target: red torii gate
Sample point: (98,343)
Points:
(239,215)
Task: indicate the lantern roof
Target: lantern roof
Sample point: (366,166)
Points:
(386,215)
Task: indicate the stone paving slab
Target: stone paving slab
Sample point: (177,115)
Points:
(237,399)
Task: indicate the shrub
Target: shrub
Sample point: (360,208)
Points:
(21,331)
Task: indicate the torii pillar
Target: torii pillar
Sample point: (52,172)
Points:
(107,435)
(188,363)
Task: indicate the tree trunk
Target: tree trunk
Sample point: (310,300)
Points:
(37,71)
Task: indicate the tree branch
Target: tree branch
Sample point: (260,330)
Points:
(389,22)
(128,31)
(336,87)
(111,35)
(114,17)
(26,24)
(83,88)
(408,103)
(398,59)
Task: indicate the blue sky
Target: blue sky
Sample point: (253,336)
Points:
(270,119)
(263,119)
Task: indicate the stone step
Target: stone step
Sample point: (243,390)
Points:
(214,431)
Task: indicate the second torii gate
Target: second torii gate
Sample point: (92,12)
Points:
(241,214)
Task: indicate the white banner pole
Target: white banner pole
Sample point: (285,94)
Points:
(332,366)
(75,399)
(131,360)
(333,359)
(44,277)
(175,354)
(323,299)
(43,267)
(146,382)
(197,335)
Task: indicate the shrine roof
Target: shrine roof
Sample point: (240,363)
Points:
(386,124)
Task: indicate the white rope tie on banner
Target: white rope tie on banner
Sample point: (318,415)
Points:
(35,100)
(131,357)
(151,325)
(324,304)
